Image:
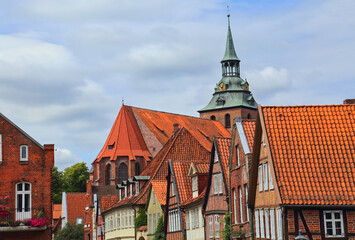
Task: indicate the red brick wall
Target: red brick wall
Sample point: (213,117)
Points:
(37,171)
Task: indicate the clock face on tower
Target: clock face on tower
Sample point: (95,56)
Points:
(222,87)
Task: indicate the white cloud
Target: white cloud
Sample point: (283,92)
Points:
(65,158)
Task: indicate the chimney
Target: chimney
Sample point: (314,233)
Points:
(176,127)
(349,101)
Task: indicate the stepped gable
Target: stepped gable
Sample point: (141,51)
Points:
(223,145)
(249,130)
(313,152)
(159,126)
(124,139)
(182,147)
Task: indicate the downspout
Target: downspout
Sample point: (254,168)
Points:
(178,200)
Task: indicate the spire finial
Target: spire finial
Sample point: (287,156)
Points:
(122,101)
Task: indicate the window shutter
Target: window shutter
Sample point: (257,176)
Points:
(257,228)
(260,177)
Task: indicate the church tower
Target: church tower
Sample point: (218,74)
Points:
(232,97)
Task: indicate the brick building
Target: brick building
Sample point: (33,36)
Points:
(25,168)
(215,204)
(242,153)
(302,174)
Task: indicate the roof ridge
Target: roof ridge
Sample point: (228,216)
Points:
(298,106)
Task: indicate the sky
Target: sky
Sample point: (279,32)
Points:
(65,66)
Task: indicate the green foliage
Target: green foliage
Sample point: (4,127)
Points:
(159,232)
(75,177)
(141,219)
(57,185)
(228,229)
(71,231)
(72,179)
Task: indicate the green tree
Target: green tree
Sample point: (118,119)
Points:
(141,219)
(228,229)
(75,178)
(71,231)
(57,185)
(159,232)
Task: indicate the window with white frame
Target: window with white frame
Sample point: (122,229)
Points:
(23,153)
(150,223)
(154,222)
(257,226)
(133,218)
(333,223)
(210,226)
(130,218)
(272,224)
(126,218)
(79,220)
(235,206)
(279,224)
(172,189)
(187,220)
(266,177)
(197,219)
(216,225)
(262,229)
(267,229)
(246,200)
(118,220)
(23,200)
(215,183)
(240,204)
(120,194)
(260,173)
(125,191)
(194,183)
(192,219)
(130,189)
(271,182)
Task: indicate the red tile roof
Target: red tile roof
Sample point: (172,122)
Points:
(76,203)
(57,211)
(313,152)
(202,168)
(125,138)
(184,184)
(160,190)
(249,130)
(143,228)
(161,125)
(107,201)
(199,197)
(223,145)
(182,147)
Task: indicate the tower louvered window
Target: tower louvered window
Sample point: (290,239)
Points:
(122,172)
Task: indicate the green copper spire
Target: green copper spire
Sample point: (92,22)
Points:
(230,53)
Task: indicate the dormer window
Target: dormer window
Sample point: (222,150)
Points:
(24,153)
(137,188)
(194,187)
(120,194)
(125,191)
(111,146)
(130,190)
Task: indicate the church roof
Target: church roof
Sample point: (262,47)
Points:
(230,54)
(125,138)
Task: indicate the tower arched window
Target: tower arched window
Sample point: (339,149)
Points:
(137,169)
(108,174)
(23,200)
(248,117)
(213,117)
(227,121)
(122,172)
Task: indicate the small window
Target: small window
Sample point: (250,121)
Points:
(111,146)
(23,201)
(194,183)
(271,183)
(79,221)
(238,159)
(24,153)
(266,177)
(172,190)
(260,173)
(210,225)
(213,117)
(257,226)
(216,225)
(240,204)
(333,223)
(227,121)
(187,220)
(262,229)
(137,187)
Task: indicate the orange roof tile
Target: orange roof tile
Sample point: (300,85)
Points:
(160,190)
(57,211)
(143,228)
(107,201)
(76,203)
(223,145)
(313,151)
(202,168)
(249,130)
(125,138)
(199,197)
(182,147)
(161,125)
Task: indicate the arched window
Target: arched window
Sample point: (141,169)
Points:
(23,200)
(248,117)
(137,169)
(213,117)
(108,174)
(227,121)
(122,172)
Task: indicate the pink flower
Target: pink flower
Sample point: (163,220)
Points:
(7,197)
